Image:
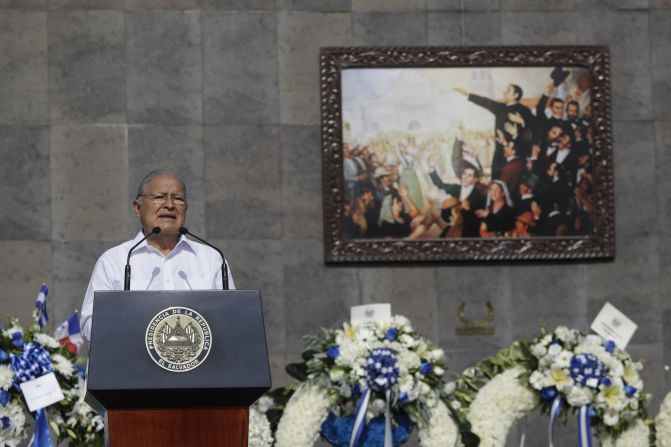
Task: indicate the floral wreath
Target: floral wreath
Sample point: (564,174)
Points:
(565,371)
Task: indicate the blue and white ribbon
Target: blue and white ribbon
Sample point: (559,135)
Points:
(584,428)
(557,404)
(41,316)
(360,418)
(32,363)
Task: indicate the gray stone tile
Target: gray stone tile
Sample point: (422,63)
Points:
(87,4)
(388,5)
(25,186)
(533,5)
(445,28)
(73,265)
(653,374)
(23,67)
(89,183)
(164,76)
(474,286)
(613,4)
(316,295)
(483,28)
(24,266)
(628,35)
(301,182)
(174,149)
(548,295)
(300,35)
(660,4)
(538,28)
(634,160)
(389,29)
(660,53)
(278,373)
(23,4)
(162,4)
(267,276)
(242,182)
(240,68)
(315,5)
(410,291)
(635,291)
(87,67)
(238,5)
(663,181)
(463,5)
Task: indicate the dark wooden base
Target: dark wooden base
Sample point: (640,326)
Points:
(193,427)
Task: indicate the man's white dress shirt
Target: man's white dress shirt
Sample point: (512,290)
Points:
(190,266)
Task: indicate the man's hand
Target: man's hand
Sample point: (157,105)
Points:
(516,118)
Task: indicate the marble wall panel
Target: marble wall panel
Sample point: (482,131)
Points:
(25,185)
(238,5)
(471,28)
(164,75)
(89,183)
(315,295)
(177,149)
(613,4)
(23,67)
(300,35)
(87,4)
(23,4)
(301,182)
(87,67)
(258,264)
(463,5)
(240,68)
(243,182)
(134,5)
(388,5)
(389,29)
(445,28)
(532,5)
(24,265)
(410,291)
(73,264)
(315,5)
(660,52)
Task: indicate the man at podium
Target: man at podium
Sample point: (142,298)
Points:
(160,257)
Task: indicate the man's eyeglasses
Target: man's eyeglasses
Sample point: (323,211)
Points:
(161,199)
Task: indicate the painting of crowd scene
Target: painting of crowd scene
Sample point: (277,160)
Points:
(499,152)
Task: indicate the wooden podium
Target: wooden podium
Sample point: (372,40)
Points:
(146,404)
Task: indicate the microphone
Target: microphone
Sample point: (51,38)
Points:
(126,277)
(224,268)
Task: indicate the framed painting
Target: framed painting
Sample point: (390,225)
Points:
(466,153)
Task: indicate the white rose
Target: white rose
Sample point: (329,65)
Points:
(46,340)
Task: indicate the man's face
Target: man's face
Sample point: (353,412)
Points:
(367,198)
(169,215)
(387,181)
(468,177)
(572,111)
(554,133)
(509,94)
(557,109)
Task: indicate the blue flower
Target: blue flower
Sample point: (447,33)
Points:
(5,422)
(587,370)
(333,352)
(391,334)
(17,339)
(549,393)
(381,369)
(606,382)
(610,346)
(4,397)
(629,390)
(3,356)
(403,398)
(356,389)
(425,369)
(555,341)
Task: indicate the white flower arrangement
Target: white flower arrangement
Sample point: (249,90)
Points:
(589,370)
(259,434)
(636,435)
(663,423)
(70,419)
(498,405)
(303,416)
(441,430)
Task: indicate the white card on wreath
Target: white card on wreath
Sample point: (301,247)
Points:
(368,314)
(42,392)
(612,324)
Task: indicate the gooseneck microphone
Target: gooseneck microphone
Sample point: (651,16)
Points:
(224,267)
(126,278)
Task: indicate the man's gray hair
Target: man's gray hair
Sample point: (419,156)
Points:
(153,174)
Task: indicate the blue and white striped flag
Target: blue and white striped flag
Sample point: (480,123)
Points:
(41,316)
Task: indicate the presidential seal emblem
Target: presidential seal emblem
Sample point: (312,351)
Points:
(178,339)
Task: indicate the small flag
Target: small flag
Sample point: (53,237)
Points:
(41,316)
(68,333)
